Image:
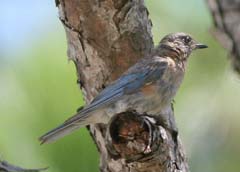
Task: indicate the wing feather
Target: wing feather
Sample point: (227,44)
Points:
(127,84)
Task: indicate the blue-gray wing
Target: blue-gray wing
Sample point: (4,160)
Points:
(127,84)
(137,76)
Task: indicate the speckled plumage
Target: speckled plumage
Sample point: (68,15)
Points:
(148,87)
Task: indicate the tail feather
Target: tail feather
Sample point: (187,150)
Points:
(82,118)
(62,130)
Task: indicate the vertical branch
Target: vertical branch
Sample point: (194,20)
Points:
(226,17)
(105,37)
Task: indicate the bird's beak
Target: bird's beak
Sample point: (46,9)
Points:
(200,46)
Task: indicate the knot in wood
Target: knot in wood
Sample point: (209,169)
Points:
(132,136)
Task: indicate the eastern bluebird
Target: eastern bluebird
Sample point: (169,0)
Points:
(147,87)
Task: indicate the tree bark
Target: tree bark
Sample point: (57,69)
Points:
(226,17)
(106,37)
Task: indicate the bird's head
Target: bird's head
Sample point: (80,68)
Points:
(178,46)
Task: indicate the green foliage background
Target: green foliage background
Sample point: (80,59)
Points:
(38,91)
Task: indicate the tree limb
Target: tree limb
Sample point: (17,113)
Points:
(226,16)
(106,37)
(6,167)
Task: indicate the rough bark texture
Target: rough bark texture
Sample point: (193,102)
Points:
(105,37)
(226,16)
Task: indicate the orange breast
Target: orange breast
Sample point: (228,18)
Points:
(149,89)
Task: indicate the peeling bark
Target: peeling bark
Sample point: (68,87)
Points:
(106,37)
(226,17)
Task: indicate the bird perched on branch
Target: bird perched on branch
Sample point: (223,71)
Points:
(148,87)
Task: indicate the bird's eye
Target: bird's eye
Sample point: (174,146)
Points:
(186,39)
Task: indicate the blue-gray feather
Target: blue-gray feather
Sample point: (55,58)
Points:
(148,87)
(128,84)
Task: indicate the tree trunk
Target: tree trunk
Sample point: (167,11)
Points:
(106,37)
(226,16)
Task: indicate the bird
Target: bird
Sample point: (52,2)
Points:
(148,87)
